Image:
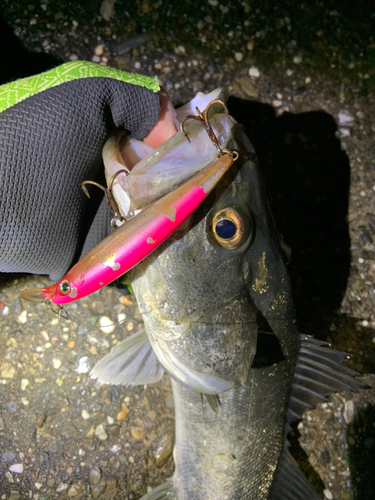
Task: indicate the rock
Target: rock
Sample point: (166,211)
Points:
(61,487)
(137,432)
(106,324)
(346,119)
(349,412)
(9,477)
(112,484)
(100,433)
(7,370)
(163,449)
(16,468)
(98,489)
(244,87)
(74,491)
(85,365)
(328,494)
(238,56)
(8,457)
(254,72)
(95,476)
(107,9)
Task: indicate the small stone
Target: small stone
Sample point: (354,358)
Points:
(349,412)
(85,364)
(61,487)
(9,477)
(346,119)
(112,484)
(56,363)
(121,415)
(7,370)
(99,49)
(98,489)
(16,468)
(124,299)
(74,491)
(95,59)
(328,494)
(85,414)
(297,59)
(95,476)
(163,449)
(22,318)
(24,383)
(73,57)
(276,103)
(243,86)
(107,9)
(180,50)
(110,420)
(238,56)
(254,72)
(250,46)
(106,324)
(129,326)
(38,485)
(137,432)
(100,433)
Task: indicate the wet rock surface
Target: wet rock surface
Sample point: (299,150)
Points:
(302,81)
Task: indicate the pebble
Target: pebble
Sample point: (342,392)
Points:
(98,489)
(180,50)
(346,119)
(238,56)
(85,414)
(124,299)
(138,432)
(106,324)
(112,484)
(9,477)
(56,363)
(22,318)
(7,370)
(243,86)
(121,415)
(99,49)
(328,494)
(163,449)
(250,46)
(254,72)
(276,103)
(349,412)
(74,491)
(107,9)
(297,59)
(95,476)
(85,365)
(129,326)
(95,59)
(61,487)
(73,57)
(100,433)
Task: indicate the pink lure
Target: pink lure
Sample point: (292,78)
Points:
(133,241)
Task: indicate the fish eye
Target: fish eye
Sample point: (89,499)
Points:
(64,287)
(228,228)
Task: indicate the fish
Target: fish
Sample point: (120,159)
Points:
(220,319)
(162,208)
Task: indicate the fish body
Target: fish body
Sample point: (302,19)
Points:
(203,294)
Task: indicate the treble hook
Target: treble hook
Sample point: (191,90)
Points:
(110,199)
(56,308)
(203,119)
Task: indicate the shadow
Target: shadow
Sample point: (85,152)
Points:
(307,176)
(16,61)
(361,438)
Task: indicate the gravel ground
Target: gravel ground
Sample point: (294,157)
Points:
(302,81)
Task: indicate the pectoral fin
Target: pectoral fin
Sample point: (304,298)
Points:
(162,492)
(132,362)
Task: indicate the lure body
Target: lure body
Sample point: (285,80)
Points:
(133,241)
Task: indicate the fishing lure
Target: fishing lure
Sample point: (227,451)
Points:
(134,240)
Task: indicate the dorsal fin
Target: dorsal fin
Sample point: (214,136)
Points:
(131,362)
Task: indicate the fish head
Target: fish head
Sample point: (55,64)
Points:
(200,293)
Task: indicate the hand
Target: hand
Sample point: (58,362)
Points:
(50,142)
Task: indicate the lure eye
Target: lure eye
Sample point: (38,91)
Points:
(228,229)
(64,287)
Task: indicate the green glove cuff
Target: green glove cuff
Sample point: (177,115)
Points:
(19,90)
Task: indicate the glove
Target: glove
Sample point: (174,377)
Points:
(52,130)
